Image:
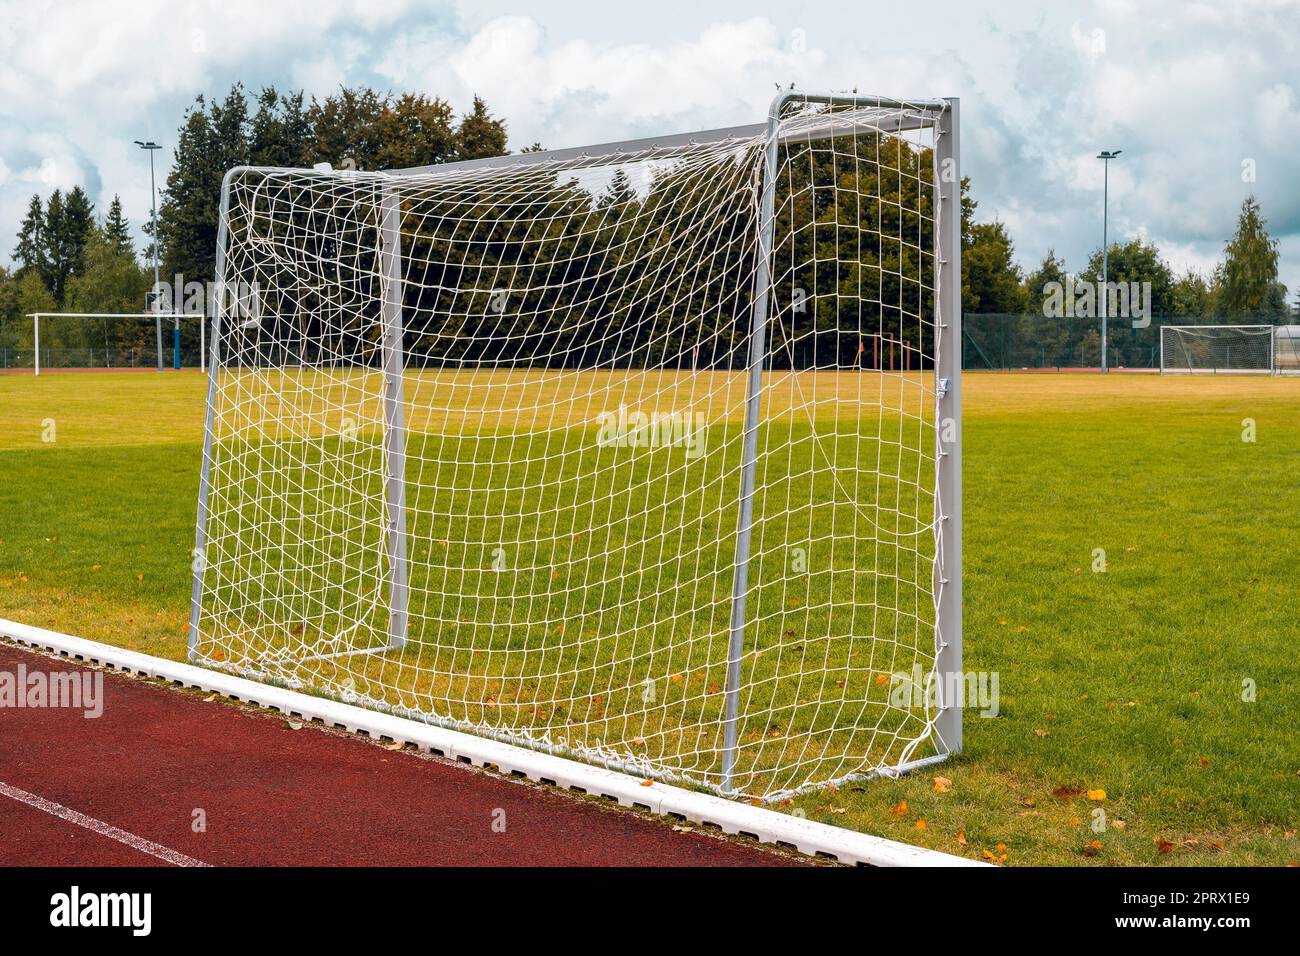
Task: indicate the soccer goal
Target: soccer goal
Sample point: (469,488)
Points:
(647,454)
(116,340)
(1286,350)
(1216,349)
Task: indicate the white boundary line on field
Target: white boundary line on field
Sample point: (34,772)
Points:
(767,826)
(98,826)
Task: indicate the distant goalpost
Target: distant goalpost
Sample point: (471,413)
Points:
(174,317)
(598,450)
(1217,349)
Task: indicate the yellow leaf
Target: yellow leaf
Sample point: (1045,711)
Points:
(942,784)
(899,809)
(882,680)
(961,837)
(1097,795)
(921,824)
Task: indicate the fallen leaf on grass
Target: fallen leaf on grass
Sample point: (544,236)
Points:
(961,838)
(1097,795)
(1163,845)
(293,724)
(942,784)
(899,809)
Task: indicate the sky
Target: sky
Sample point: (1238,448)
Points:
(1203,98)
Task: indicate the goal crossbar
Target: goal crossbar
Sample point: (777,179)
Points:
(889,120)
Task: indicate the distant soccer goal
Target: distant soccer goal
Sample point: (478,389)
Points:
(646,454)
(1286,350)
(109,340)
(1216,349)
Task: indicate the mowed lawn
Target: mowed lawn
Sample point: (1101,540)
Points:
(1170,680)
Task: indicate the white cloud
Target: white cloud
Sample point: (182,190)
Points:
(1188,91)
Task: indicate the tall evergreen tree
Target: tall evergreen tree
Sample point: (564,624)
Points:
(187,216)
(1249,266)
(480,134)
(116,230)
(69,221)
(30,251)
(279,134)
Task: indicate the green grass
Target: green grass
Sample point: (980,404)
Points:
(1128,681)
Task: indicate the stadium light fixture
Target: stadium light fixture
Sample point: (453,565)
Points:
(1106,155)
(151,147)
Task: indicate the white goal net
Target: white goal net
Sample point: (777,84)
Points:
(645,454)
(1221,349)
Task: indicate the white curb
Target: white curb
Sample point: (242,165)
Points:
(767,826)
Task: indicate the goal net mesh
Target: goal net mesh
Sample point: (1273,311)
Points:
(573,389)
(1216,348)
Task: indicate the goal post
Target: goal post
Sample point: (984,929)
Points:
(1217,349)
(645,453)
(103,339)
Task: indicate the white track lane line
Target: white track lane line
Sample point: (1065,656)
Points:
(98,826)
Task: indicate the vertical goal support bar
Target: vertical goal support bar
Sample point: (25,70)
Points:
(753,396)
(199,558)
(947,503)
(394,362)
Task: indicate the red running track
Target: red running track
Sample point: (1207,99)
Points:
(272,795)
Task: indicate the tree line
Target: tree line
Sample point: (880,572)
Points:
(68,259)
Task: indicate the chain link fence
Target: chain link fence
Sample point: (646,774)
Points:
(1025,342)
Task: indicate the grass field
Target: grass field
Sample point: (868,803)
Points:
(1135,681)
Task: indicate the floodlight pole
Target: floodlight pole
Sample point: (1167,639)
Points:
(1106,155)
(151,147)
